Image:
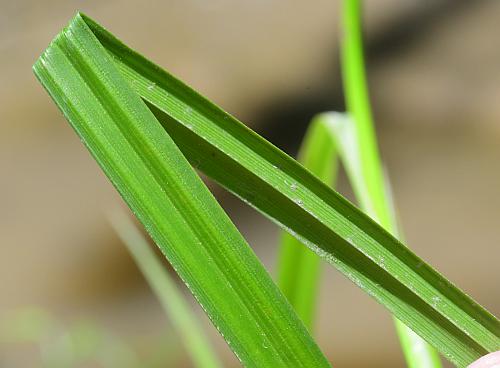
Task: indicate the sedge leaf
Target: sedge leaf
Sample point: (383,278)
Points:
(113,123)
(168,197)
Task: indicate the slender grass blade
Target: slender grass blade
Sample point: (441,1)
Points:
(363,162)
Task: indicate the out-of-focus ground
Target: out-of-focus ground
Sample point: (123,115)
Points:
(434,74)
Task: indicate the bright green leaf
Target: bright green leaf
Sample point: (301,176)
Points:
(142,160)
(168,197)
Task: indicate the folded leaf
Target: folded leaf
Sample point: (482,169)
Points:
(130,146)
(172,202)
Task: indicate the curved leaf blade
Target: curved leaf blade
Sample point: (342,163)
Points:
(342,130)
(261,174)
(167,196)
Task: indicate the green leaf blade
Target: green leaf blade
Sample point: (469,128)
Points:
(176,208)
(336,230)
(330,226)
(260,174)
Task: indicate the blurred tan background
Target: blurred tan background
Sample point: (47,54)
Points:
(434,74)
